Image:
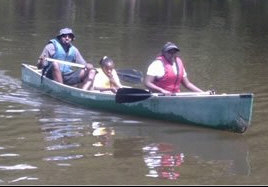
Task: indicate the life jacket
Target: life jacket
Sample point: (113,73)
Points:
(170,81)
(61,54)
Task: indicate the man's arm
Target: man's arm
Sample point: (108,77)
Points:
(48,51)
(79,58)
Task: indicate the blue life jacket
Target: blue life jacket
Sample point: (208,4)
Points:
(61,54)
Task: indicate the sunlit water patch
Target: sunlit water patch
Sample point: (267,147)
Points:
(60,147)
(131,122)
(62,158)
(9,155)
(26,178)
(17,167)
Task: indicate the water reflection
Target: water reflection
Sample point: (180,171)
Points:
(161,161)
(161,148)
(104,137)
(67,129)
(103,134)
(170,146)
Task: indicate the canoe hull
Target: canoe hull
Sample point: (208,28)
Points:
(227,111)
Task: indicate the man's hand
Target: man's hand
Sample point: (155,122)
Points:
(41,62)
(89,66)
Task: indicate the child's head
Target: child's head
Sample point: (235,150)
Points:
(107,64)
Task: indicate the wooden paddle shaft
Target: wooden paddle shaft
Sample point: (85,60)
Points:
(65,62)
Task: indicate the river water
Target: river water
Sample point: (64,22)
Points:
(44,141)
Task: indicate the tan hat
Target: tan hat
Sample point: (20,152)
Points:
(66,31)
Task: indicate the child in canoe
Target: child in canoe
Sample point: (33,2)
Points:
(106,79)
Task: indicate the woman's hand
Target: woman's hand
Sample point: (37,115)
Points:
(166,92)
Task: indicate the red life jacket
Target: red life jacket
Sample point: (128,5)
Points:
(170,81)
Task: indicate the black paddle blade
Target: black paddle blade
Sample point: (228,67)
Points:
(130,75)
(130,95)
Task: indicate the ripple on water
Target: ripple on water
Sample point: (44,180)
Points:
(61,147)
(61,158)
(17,167)
(23,178)
(9,155)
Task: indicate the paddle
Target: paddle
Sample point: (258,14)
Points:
(127,75)
(65,62)
(130,75)
(130,95)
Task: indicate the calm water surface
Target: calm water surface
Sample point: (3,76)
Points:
(45,141)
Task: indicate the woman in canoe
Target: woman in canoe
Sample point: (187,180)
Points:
(166,73)
(106,79)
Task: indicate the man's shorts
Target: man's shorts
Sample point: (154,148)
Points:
(72,77)
(68,78)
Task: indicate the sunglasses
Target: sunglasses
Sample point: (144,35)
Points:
(67,35)
(172,51)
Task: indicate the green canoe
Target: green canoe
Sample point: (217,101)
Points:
(231,112)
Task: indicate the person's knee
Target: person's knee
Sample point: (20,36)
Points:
(89,66)
(55,66)
(92,73)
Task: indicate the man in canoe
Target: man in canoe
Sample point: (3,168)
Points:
(162,73)
(61,48)
(106,79)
